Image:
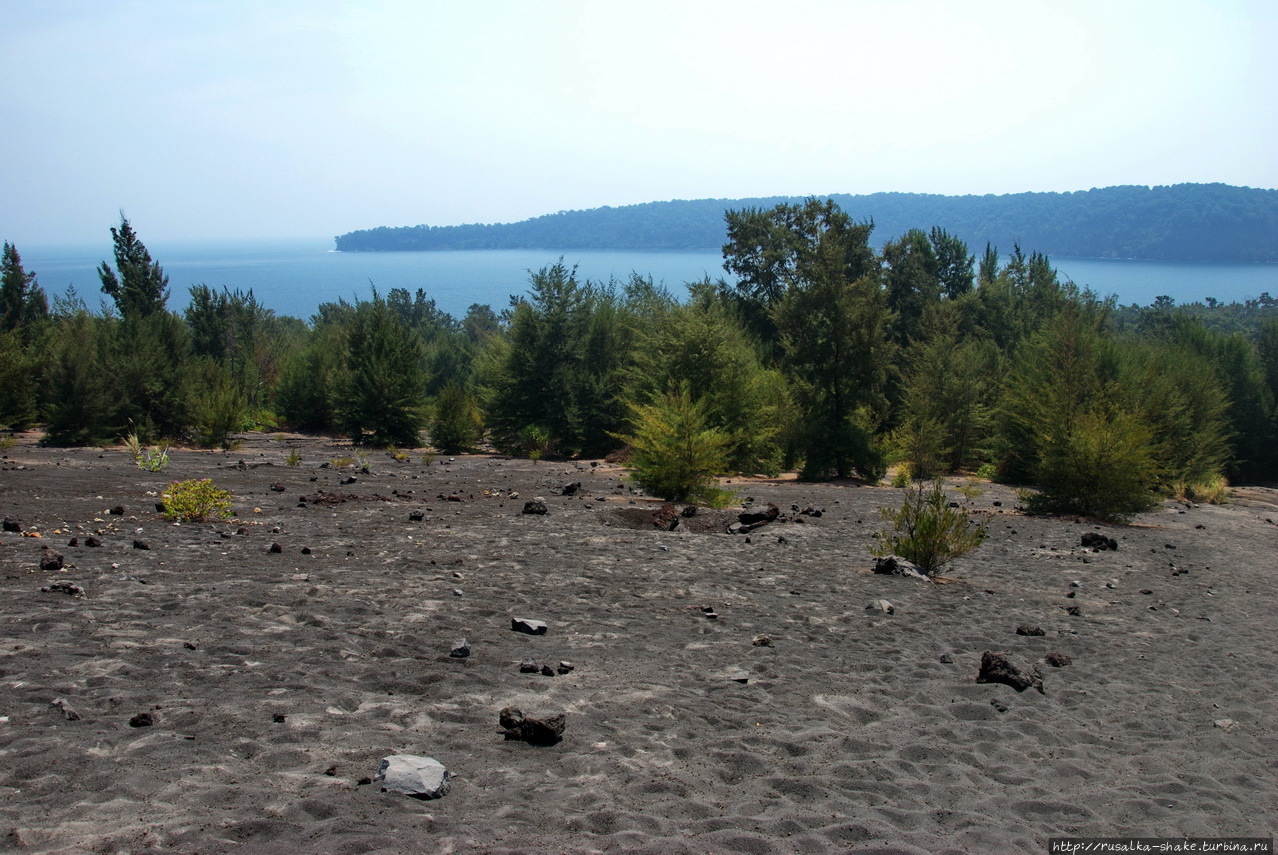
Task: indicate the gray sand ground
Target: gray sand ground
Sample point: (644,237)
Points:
(276,682)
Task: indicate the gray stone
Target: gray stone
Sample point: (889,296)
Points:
(739,677)
(999,668)
(532,627)
(461,649)
(895,565)
(535,731)
(881,607)
(1225,724)
(68,712)
(535,507)
(419,777)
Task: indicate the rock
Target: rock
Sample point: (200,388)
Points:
(535,731)
(117,511)
(1074,611)
(571,489)
(141,544)
(566,667)
(1225,724)
(277,488)
(762,641)
(881,607)
(755,519)
(142,720)
(50,560)
(351,479)
(419,777)
(742,677)
(529,666)
(416,516)
(1023,629)
(73,542)
(895,565)
(279,718)
(946,659)
(999,668)
(68,588)
(1057,660)
(996,704)
(534,507)
(1096,540)
(61,705)
(12,525)
(810,511)
(461,649)
(275,549)
(532,627)
(688,512)
(547,671)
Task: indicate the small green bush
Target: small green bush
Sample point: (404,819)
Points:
(988,471)
(676,457)
(153,459)
(294,457)
(196,501)
(926,530)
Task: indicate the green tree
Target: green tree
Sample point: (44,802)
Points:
(676,455)
(911,279)
(154,377)
(80,392)
(22,301)
(457,426)
(138,284)
(381,392)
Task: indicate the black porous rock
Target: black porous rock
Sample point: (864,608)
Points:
(532,627)
(71,589)
(1096,540)
(141,544)
(534,507)
(757,518)
(12,525)
(895,565)
(688,512)
(529,666)
(275,548)
(1057,660)
(277,488)
(117,511)
(50,560)
(73,542)
(535,731)
(92,541)
(142,720)
(416,516)
(999,668)
(571,489)
(461,649)
(1024,629)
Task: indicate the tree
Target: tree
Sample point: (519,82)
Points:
(138,284)
(676,455)
(953,264)
(912,283)
(381,392)
(22,301)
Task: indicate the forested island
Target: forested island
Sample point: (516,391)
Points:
(831,354)
(1184,222)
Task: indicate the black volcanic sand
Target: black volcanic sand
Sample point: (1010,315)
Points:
(276,682)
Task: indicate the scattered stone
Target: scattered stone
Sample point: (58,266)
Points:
(532,627)
(62,706)
(998,705)
(461,649)
(1225,724)
(279,718)
(742,677)
(349,479)
(998,668)
(1074,611)
(12,525)
(881,607)
(810,511)
(547,671)
(277,488)
(529,666)
(762,641)
(565,667)
(50,560)
(141,544)
(1025,629)
(535,731)
(69,588)
(571,489)
(275,549)
(946,659)
(688,512)
(535,507)
(73,542)
(306,550)
(416,516)
(1076,584)
(895,565)
(1146,591)
(419,777)
(117,511)
(189,645)
(142,720)
(1097,541)
(1057,660)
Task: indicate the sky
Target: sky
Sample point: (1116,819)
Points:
(238,119)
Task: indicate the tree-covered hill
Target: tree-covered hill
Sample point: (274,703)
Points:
(1184,222)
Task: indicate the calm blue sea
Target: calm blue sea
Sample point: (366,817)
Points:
(294,277)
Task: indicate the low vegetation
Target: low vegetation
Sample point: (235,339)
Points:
(926,530)
(828,355)
(196,500)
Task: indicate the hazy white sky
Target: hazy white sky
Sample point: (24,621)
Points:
(239,118)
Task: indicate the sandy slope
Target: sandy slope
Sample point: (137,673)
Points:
(277,681)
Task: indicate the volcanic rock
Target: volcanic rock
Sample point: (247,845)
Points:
(999,668)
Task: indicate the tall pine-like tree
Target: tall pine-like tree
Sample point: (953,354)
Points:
(138,284)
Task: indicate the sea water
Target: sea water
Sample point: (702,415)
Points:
(294,277)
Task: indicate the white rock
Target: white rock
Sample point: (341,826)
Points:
(420,777)
(881,607)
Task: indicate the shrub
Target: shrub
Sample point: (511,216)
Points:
(988,471)
(1214,491)
(457,426)
(676,456)
(196,501)
(153,459)
(294,457)
(926,530)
